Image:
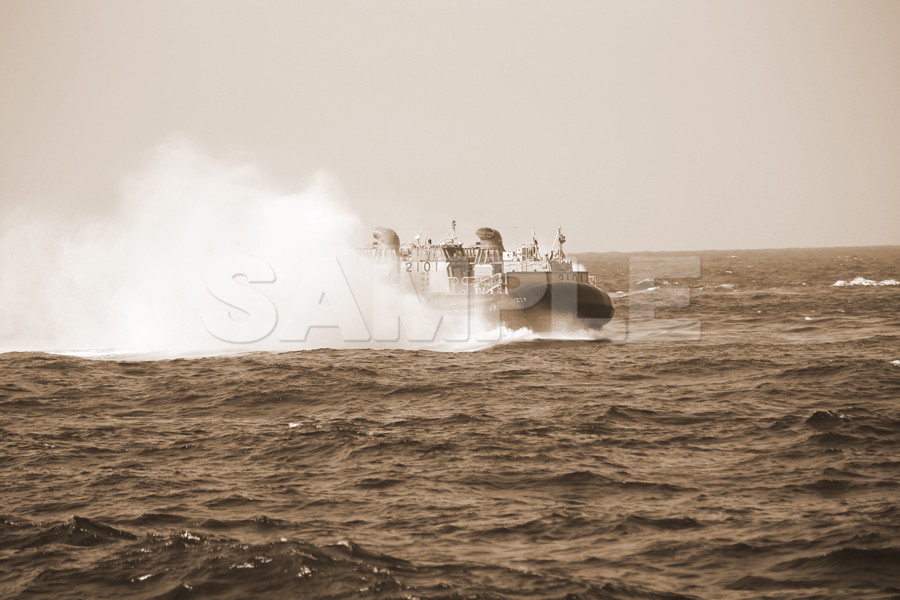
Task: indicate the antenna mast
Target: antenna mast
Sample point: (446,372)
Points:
(451,235)
(560,254)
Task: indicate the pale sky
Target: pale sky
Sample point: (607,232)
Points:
(636,125)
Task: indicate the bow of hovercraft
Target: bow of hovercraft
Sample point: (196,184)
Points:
(560,306)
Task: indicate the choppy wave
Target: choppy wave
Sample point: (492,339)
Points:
(758,460)
(191,562)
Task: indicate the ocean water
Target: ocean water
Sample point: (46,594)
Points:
(760,459)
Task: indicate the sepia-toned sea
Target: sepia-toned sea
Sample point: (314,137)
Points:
(757,460)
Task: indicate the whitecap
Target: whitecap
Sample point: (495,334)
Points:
(865,282)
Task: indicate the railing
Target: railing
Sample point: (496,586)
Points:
(490,284)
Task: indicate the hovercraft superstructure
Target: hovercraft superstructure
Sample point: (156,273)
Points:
(527,287)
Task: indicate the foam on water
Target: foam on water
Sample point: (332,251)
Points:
(864,282)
